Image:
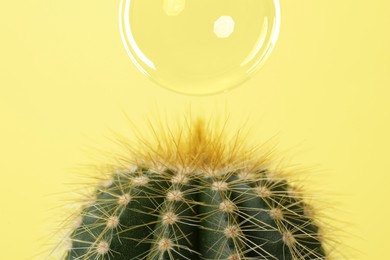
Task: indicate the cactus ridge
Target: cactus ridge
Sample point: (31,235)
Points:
(202,200)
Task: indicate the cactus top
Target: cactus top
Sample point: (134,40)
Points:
(196,195)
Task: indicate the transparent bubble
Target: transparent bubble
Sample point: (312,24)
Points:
(199,46)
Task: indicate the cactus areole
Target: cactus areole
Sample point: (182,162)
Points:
(196,196)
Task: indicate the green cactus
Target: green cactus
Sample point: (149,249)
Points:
(196,197)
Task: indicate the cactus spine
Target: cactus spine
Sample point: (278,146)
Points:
(196,196)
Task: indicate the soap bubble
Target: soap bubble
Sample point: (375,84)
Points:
(199,46)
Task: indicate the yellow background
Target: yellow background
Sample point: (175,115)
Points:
(66,82)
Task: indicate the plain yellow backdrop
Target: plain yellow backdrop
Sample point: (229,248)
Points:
(66,83)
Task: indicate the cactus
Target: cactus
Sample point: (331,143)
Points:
(195,195)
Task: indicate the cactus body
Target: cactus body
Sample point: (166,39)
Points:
(198,208)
